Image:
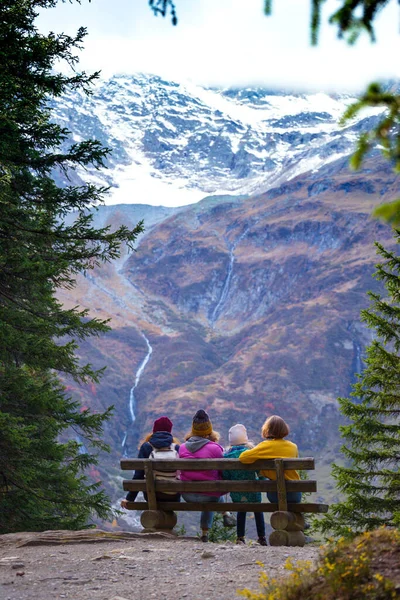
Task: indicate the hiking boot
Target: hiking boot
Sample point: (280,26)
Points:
(240,540)
(262,541)
(204,538)
(229,521)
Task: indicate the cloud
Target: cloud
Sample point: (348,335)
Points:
(230,42)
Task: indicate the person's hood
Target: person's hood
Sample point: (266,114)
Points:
(161,439)
(195,443)
(236,450)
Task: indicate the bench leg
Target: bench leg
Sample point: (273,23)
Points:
(158,520)
(289,528)
(289,521)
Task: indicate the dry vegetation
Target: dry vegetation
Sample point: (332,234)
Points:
(367,568)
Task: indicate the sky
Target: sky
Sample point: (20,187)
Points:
(229,42)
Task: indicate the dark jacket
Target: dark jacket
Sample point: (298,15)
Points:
(160,439)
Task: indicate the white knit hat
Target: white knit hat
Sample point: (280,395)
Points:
(238,435)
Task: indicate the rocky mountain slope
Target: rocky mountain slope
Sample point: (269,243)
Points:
(245,307)
(246,303)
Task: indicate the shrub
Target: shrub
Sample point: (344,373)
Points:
(367,568)
(219,533)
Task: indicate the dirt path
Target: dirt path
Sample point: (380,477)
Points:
(142,566)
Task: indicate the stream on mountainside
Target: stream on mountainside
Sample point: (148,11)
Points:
(225,289)
(82,448)
(357,363)
(132,399)
(131,517)
(142,366)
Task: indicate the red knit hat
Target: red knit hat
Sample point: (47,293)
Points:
(162,424)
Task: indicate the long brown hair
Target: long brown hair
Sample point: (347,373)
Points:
(275,427)
(213,436)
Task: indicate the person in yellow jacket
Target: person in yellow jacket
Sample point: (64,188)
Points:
(274,446)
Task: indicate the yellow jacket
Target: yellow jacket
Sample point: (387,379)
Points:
(272,449)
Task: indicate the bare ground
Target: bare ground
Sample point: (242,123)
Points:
(132,566)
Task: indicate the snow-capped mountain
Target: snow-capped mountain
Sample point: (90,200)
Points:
(175,143)
(245,306)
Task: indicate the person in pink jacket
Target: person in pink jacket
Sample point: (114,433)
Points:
(201,442)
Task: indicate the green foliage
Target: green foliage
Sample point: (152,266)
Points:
(370,481)
(366,569)
(219,533)
(389,212)
(268,7)
(181,530)
(355,17)
(41,478)
(161,7)
(352,18)
(386,136)
(43,483)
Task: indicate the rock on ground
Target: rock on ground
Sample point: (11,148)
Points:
(129,566)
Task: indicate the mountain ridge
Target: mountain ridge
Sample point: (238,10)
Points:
(242,302)
(280,334)
(181,142)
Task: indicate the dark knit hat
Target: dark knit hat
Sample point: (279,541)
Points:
(201,425)
(162,424)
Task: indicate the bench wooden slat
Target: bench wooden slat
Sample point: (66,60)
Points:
(281,484)
(232,506)
(201,464)
(139,485)
(150,486)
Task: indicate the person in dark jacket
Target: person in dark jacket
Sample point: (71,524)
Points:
(159,440)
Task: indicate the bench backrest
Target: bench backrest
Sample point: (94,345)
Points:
(151,485)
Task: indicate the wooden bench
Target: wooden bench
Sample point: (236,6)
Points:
(287,520)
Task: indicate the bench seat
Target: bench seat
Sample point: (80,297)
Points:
(287,518)
(270,507)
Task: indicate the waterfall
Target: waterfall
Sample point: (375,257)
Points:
(121,303)
(359,361)
(225,289)
(357,366)
(132,399)
(82,448)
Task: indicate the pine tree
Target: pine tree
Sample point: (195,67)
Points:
(370,481)
(41,477)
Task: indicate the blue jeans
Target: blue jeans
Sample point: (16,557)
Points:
(241,524)
(206,518)
(292,497)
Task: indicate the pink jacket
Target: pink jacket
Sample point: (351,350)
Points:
(208,450)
